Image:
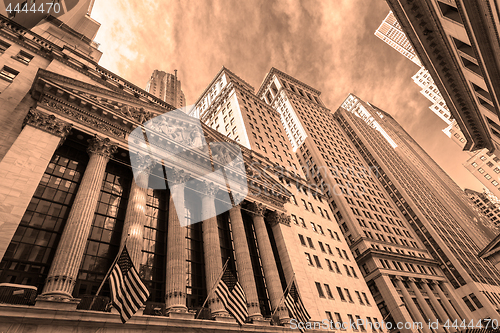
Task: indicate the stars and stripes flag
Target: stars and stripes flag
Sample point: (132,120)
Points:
(294,304)
(232,296)
(128,293)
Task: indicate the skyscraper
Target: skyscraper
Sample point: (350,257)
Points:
(390,32)
(391,256)
(487,203)
(457,42)
(166,87)
(440,224)
(318,257)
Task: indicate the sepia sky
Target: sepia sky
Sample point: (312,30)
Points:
(329,45)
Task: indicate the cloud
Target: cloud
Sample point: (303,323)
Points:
(329,45)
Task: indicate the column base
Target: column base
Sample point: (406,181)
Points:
(184,314)
(261,321)
(225,319)
(56,302)
(284,321)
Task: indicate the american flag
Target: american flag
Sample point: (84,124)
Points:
(232,296)
(295,306)
(128,293)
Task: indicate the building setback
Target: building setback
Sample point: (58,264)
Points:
(450,240)
(457,42)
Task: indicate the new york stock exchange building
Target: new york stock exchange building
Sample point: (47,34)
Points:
(81,177)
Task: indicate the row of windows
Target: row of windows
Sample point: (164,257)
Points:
(325,248)
(7,73)
(332,265)
(409,267)
(338,322)
(344,294)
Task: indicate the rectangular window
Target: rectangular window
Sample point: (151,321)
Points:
(309,240)
(348,295)
(328,291)
(309,260)
(341,294)
(366,299)
(302,240)
(313,227)
(3,46)
(318,264)
(468,303)
(476,301)
(24,57)
(294,219)
(8,74)
(320,290)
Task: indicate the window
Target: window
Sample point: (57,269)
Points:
(313,226)
(341,294)
(292,199)
(358,320)
(351,320)
(320,290)
(24,57)
(329,264)
(359,297)
(338,321)
(303,203)
(328,291)
(347,270)
(329,316)
(476,301)
(309,260)
(302,222)
(321,247)
(302,240)
(468,303)
(318,264)
(8,74)
(294,219)
(348,295)
(311,207)
(3,46)
(309,240)
(366,299)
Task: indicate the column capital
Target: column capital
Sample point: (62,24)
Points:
(101,146)
(47,123)
(424,281)
(142,162)
(411,280)
(257,209)
(208,189)
(177,176)
(278,217)
(237,199)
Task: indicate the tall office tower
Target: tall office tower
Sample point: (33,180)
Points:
(450,194)
(457,42)
(166,87)
(487,202)
(390,32)
(429,89)
(317,256)
(418,197)
(391,257)
(424,80)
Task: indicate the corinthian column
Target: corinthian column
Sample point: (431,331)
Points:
(211,245)
(135,218)
(64,270)
(423,305)
(435,303)
(417,316)
(176,245)
(271,274)
(246,275)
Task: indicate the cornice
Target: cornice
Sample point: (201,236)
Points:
(427,36)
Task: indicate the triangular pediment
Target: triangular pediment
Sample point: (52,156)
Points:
(95,109)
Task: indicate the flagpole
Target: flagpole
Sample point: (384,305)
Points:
(213,287)
(283,296)
(109,270)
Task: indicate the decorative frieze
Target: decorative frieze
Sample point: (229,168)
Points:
(47,123)
(79,116)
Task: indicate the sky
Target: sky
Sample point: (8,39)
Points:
(329,45)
